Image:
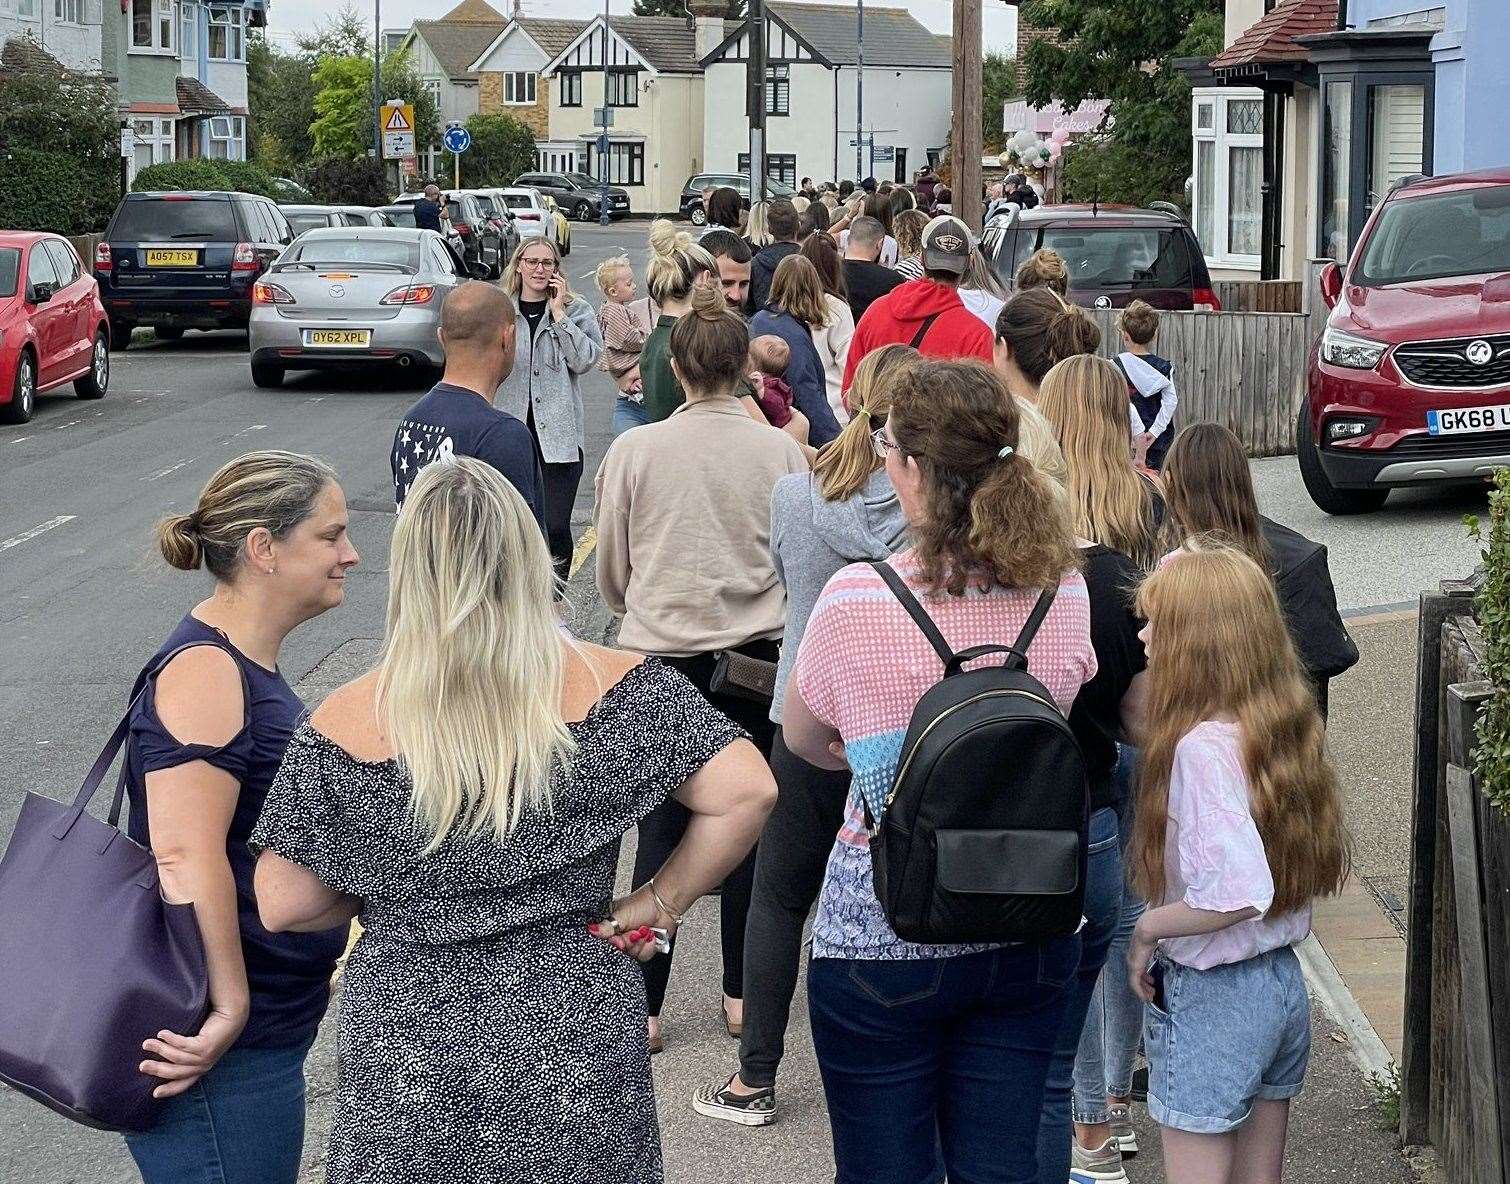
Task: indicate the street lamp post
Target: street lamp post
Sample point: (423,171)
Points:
(860,93)
(377,81)
(603,154)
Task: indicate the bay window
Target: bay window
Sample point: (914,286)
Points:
(1227,125)
(225,39)
(227,137)
(152,26)
(152,142)
(188,31)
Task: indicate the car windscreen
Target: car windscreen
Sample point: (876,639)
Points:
(485,203)
(401,215)
(1121,256)
(582,180)
(169,219)
(518,201)
(303,222)
(1427,238)
(353,252)
(10,270)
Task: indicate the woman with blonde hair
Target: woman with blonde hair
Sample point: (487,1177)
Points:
(844,512)
(557,340)
(1044,268)
(831,339)
(908,226)
(677,264)
(756,233)
(1085,399)
(210,718)
(467,798)
(799,313)
(684,560)
(1239,829)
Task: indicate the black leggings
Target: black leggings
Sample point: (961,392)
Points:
(789,866)
(662,830)
(558,496)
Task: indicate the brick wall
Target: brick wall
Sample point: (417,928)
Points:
(536,116)
(1027,33)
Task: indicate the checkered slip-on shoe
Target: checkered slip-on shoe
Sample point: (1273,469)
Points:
(757,1109)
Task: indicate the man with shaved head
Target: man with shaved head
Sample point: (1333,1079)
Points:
(457,417)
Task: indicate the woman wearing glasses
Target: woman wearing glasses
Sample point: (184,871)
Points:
(557,341)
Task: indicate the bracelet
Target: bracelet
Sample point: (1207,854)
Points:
(676,917)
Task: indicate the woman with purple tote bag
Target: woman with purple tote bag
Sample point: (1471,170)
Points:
(207,732)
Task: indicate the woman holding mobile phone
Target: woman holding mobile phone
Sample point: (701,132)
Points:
(557,341)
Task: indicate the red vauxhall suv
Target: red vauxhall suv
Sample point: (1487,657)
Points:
(1410,382)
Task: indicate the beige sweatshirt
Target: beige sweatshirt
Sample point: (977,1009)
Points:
(683,516)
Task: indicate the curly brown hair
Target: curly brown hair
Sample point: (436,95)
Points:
(990,520)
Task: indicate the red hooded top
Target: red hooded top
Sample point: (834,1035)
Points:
(895,318)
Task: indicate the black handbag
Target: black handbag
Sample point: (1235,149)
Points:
(743,677)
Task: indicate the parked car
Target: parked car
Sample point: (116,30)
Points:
(53,327)
(502,220)
(1115,254)
(480,241)
(578,195)
(531,217)
(1410,381)
(307,217)
(352,294)
(179,261)
(692,192)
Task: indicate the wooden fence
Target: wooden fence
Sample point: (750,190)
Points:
(1455,1070)
(1260,295)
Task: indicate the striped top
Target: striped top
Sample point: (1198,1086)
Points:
(862,667)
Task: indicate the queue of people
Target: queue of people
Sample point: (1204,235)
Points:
(951,478)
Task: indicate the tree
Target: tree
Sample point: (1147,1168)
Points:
(736,10)
(343,182)
(502,148)
(343,114)
(1122,50)
(999,75)
(344,35)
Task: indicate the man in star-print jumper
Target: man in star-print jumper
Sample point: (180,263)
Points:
(457,417)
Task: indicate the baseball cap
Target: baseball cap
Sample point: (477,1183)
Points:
(947,243)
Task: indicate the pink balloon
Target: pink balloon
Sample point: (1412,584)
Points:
(1060,136)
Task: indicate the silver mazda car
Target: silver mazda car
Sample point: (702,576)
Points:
(346,294)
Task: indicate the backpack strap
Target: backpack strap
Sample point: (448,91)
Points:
(917,338)
(1030,626)
(919,615)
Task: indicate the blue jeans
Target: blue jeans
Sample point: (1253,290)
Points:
(241,1123)
(1114,1022)
(937,1065)
(628,414)
(1103,905)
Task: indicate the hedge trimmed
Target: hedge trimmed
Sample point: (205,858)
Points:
(237,176)
(50,191)
(338,181)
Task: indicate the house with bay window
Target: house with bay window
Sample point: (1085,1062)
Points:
(68,31)
(180,71)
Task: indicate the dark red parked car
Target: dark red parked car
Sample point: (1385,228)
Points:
(1410,382)
(53,328)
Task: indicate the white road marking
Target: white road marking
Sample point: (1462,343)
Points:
(19,439)
(27,535)
(169,469)
(71,423)
(255,427)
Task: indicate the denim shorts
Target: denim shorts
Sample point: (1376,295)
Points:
(1230,1036)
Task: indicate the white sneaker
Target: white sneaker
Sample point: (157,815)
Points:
(1103,1165)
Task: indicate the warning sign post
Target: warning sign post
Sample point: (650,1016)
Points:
(398,128)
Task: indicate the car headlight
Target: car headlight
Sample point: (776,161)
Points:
(1356,353)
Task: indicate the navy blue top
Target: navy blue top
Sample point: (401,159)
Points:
(453,421)
(1148,410)
(288,973)
(427,214)
(804,373)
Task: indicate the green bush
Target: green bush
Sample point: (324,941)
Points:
(502,148)
(338,181)
(1491,607)
(248,178)
(235,175)
(49,191)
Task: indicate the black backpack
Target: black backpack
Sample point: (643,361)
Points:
(983,836)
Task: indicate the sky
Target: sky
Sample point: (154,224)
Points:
(288,19)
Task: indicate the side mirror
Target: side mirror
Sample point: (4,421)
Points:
(1331,284)
(42,293)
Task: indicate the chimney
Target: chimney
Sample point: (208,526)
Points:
(707,25)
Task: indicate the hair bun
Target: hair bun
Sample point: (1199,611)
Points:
(178,540)
(708,302)
(666,239)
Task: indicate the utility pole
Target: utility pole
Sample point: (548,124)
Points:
(965,192)
(377,82)
(603,154)
(755,84)
(860,93)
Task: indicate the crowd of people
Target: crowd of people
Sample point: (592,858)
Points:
(820,417)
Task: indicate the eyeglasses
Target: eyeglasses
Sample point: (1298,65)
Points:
(881,444)
(546,263)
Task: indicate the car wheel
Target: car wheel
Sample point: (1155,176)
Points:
(267,375)
(584,212)
(120,335)
(167,332)
(699,216)
(23,391)
(94,384)
(1327,496)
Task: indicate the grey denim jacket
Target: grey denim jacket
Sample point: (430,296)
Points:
(548,373)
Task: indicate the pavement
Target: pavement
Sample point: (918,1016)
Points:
(84,599)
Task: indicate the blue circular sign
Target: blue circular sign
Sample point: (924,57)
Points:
(457,139)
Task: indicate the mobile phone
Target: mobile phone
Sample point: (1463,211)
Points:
(1156,972)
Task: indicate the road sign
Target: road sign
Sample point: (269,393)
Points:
(398,129)
(457,139)
(128,140)
(885,152)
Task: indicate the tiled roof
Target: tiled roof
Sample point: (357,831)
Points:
(473,12)
(893,36)
(195,98)
(1271,41)
(23,53)
(457,44)
(552,36)
(666,42)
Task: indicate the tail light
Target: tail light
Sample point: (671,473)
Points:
(102,259)
(1205,300)
(529,216)
(267,293)
(245,258)
(464,230)
(413,294)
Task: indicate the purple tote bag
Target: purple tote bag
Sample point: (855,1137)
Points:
(92,959)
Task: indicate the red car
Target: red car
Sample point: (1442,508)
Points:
(53,328)
(1410,382)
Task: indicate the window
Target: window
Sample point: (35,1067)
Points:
(40,269)
(1336,165)
(623,88)
(626,163)
(68,11)
(432,88)
(570,82)
(188,30)
(778,90)
(152,26)
(154,142)
(779,166)
(1228,127)
(225,40)
(227,137)
(519,88)
(1437,236)
(65,261)
(29,9)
